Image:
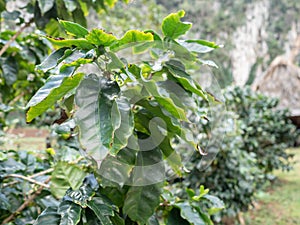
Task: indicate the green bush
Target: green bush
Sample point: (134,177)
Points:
(266,131)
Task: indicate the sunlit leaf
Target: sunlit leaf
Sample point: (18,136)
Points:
(64,176)
(74,28)
(131,38)
(100,37)
(172,27)
(54,89)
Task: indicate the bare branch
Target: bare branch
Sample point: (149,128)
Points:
(6,46)
(27,179)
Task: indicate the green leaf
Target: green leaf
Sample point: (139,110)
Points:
(117,220)
(152,221)
(2,5)
(172,27)
(174,218)
(87,118)
(190,214)
(71,5)
(85,193)
(70,213)
(54,89)
(100,37)
(217,204)
(99,210)
(80,42)
(106,100)
(164,101)
(64,176)
(48,216)
(131,38)
(141,202)
(199,46)
(118,168)
(111,3)
(52,60)
(74,28)
(172,157)
(45,5)
(122,118)
(111,118)
(9,70)
(4,201)
(184,78)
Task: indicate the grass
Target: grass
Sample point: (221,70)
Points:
(280,205)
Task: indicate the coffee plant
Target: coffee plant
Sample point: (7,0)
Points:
(127,109)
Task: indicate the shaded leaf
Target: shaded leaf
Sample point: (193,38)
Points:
(9,70)
(190,214)
(97,209)
(71,5)
(45,5)
(184,78)
(174,218)
(70,213)
(48,216)
(141,202)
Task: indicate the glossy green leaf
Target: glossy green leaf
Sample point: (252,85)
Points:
(54,89)
(118,168)
(190,214)
(100,37)
(141,202)
(131,38)
(184,78)
(48,216)
(9,70)
(172,157)
(45,5)
(64,176)
(52,60)
(107,110)
(80,42)
(164,101)
(70,213)
(84,193)
(123,129)
(74,28)
(98,210)
(86,98)
(172,27)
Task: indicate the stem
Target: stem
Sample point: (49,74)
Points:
(28,179)
(26,203)
(6,46)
